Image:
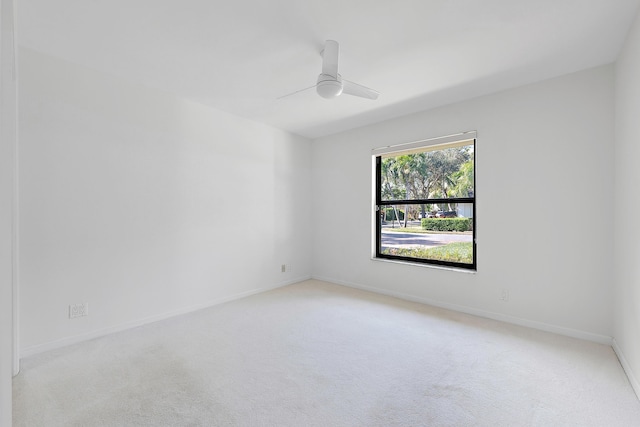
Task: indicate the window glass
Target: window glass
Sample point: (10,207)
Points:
(425,204)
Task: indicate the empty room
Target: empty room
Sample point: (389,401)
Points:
(324,213)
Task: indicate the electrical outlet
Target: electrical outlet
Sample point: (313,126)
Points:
(504,295)
(78,310)
(283,268)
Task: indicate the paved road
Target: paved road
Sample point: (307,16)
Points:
(391,239)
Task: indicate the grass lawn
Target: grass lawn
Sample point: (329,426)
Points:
(454,252)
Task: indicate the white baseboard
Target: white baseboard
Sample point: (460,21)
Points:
(52,345)
(560,330)
(627,368)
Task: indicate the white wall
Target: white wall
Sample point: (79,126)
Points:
(627,206)
(542,151)
(145,205)
(7,186)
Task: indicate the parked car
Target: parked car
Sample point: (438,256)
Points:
(446,214)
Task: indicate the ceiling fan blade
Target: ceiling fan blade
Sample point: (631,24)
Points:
(330,58)
(351,88)
(298,91)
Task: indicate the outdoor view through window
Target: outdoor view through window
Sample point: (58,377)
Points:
(425,204)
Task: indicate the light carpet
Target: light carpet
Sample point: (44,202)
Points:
(317,354)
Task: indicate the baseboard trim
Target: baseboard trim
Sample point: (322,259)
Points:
(533,324)
(627,368)
(63,342)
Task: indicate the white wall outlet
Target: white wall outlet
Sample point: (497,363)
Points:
(504,295)
(78,310)
(285,268)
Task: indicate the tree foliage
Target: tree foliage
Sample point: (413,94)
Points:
(464,180)
(431,174)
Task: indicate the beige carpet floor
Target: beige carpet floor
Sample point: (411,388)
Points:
(317,354)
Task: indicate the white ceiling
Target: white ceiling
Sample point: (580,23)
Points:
(239,56)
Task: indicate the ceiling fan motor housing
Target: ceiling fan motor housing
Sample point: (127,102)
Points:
(329,86)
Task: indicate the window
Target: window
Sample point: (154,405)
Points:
(425,201)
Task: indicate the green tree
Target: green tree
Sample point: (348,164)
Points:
(429,174)
(463,178)
(405,170)
(390,188)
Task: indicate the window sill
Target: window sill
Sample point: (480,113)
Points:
(420,264)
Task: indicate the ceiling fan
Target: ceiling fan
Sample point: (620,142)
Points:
(330,84)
